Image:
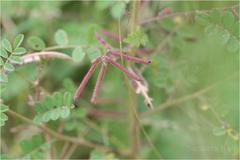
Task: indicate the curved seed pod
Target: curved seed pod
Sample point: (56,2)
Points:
(98,83)
(130,58)
(102,41)
(85,79)
(124,70)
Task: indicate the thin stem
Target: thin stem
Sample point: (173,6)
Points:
(98,83)
(123,69)
(130,58)
(64,150)
(157,18)
(102,41)
(38,56)
(133,115)
(185,98)
(71,151)
(64,47)
(51,132)
(111,35)
(134,15)
(85,79)
(176,101)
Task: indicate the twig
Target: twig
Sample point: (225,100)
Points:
(51,132)
(111,35)
(184,99)
(70,151)
(38,56)
(98,83)
(124,70)
(157,18)
(64,47)
(177,101)
(64,150)
(104,113)
(130,58)
(85,79)
(133,115)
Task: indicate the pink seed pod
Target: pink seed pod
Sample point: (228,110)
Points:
(130,58)
(102,41)
(85,79)
(98,83)
(124,70)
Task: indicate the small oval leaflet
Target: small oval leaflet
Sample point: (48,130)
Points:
(78,54)
(8,67)
(61,37)
(7,45)
(3,53)
(36,43)
(18,40)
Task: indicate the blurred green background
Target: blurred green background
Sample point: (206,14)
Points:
(189,59)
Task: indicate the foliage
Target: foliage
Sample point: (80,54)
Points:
(36,43)
(34,148)
(192,80)
(3,116)
(53,107)
(222,24)
(137,38)
(78,54)
(61,37)
(100,155)
(10,55)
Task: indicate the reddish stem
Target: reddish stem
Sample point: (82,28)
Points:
(85,79)
(130,58)
(98,83)
(102,41)
(110,35)
(124,70)
(145,50)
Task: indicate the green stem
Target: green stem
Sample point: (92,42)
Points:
(58,135)
(133,114)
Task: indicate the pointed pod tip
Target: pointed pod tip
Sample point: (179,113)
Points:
(93,101)
(149,61)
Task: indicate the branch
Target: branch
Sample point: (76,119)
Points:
(38,56)
(158,18)
(185,98)
(58,135)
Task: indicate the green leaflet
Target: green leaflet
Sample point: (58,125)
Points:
(3,53)
(137,38)
(97,154)
(3,116)
(34,148)
(78,54)
(19,51)
(8,67)
(7,45)
(36,43)
(10,55)
(93,53)
(61,37)
(223,25)
(18,40)
(118,9)
(53,107)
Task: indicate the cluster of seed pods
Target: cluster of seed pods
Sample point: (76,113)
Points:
(109,58)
